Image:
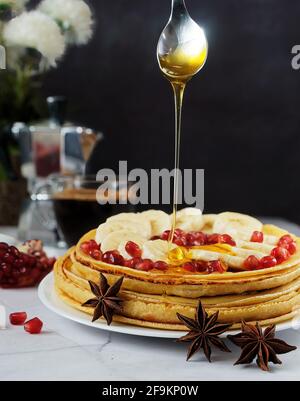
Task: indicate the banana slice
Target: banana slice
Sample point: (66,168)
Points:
(208,221)
(189,219)
(125,216)
(232,223)
(142,228)
(118,240)
(235,262)
(160,221)
(157,250)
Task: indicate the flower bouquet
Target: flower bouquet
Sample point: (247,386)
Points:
(34,40)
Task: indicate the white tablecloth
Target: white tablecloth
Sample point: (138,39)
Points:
(69,351)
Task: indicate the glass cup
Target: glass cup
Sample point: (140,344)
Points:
(81,203)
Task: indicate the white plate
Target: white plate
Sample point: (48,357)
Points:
(49,298)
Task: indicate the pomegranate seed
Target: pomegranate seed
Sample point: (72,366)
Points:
(179,241)
(145,265)
(280,254)
(196,239)
(131,263)
(8,259)
(93,245)
(3,246)
(33,326)
(214,239)
(160,265)
(252,263)
(292,248)
(18,318)
(96,254)
(165,235)
(285,239)
(257,236)
(216,266)
(288,243)
(133,249)
(267,262)
(227,239)
(190,267)
(14,251)
(155,237)
(113,258)
(85,247)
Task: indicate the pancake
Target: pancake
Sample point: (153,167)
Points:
(160,311)
(153,298)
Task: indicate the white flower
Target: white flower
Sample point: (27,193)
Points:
(38,31)
(17,5)
(73,16)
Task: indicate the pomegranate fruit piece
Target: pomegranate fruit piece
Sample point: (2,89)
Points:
(257,236)
(133,249)
(18,318)
(145,265)
(252,263)
(280,254)
(33,326)
(267,262)
(19,269)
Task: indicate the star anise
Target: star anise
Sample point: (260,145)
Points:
(106,302)
(204,332)
(261,344)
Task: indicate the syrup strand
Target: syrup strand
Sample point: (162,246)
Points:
(179,88)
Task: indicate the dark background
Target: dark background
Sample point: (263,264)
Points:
(241,114)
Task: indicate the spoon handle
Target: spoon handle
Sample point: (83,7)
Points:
(178,7)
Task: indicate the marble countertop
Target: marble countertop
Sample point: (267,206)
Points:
(69,351)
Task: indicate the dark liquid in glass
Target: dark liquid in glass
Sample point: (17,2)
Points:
(78,212)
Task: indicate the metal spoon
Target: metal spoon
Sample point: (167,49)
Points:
(181,53)
(182,47)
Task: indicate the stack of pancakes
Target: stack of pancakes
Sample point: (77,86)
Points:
(153,298)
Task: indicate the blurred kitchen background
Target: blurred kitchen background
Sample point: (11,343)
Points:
(241,118)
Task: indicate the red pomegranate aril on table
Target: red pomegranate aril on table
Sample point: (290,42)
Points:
(160,265)
(113,258)
(145,265)
(267,262)
(280,254)
(33,326)
(257,236)
(252,263)
(96,254)
(18,318)
(3,246)
(133,249)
